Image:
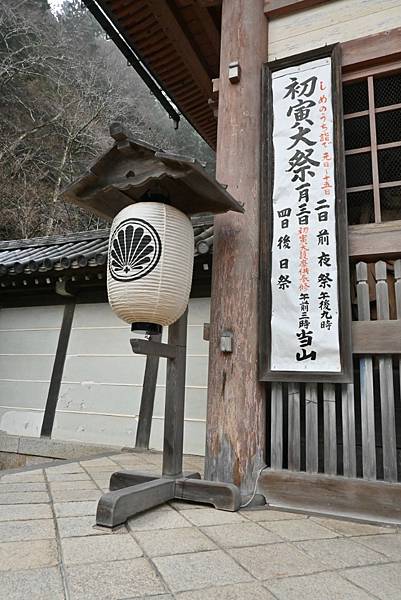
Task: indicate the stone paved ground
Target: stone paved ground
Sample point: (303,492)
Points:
(50,550)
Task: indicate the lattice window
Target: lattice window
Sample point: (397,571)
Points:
(372,131)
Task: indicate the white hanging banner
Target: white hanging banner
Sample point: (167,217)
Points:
(304,280)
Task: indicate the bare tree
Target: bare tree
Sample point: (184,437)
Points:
(61,84)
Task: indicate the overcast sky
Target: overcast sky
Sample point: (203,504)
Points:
(55,4)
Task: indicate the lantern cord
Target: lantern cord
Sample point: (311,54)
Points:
(255,488)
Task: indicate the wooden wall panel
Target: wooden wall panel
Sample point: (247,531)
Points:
(338,21)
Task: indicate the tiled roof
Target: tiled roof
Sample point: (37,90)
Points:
(74,251)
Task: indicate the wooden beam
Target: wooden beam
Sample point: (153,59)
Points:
(175,399)
(181,43)
(208,3)
(147,398)
(209,27)
(277,8)
(149,348)
(339,497)
(376,337)
(378,47)
(58,368)
(374,241)
(236,411)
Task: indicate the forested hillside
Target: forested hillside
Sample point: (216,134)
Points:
(61,84)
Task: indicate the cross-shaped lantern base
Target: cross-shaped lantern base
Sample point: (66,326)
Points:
(132,492)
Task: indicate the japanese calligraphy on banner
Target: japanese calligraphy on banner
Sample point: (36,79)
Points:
(304,281)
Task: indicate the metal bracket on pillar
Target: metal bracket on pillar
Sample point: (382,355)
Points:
(133,492)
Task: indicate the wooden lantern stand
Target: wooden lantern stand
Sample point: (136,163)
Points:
(133,492)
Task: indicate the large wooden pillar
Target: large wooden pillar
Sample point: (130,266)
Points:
(236,410)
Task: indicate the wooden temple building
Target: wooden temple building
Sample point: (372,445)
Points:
(326,444)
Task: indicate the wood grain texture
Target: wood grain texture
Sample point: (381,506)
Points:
(385,45)
(175,399)
(276,426)
(397,286)
(329,429)
(335,496)
(147,398)
(58,369)
(366,381)
(294,427)
(375,241)
(236,407)
(376,337)
(276,8)
(348,422)
(386,382)
(339,21)
(311,428)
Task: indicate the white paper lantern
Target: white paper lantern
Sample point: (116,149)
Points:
(150,263)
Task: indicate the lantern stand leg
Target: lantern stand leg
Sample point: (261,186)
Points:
(147,399)
(133,492)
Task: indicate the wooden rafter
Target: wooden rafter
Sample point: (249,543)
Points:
(173,30)
(179,44)
(277,8)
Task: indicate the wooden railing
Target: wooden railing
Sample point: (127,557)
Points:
(351,429)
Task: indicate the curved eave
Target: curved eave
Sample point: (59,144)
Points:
(179,43)
(131,169)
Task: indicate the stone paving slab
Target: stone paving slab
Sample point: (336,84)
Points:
(240,591)
(32,584)
(389,545)
(28,477)
(158,597)
(66,468)
(197,570)
(39,529)
(275,560)
(80,484)
(261,514)
(173,541)
(98,462)
(28,555)
(340,552)
(321,586)
(113,580)
(383,581)
(349,528)
(20,486)
(25,512)
(235,535)
(24,498)
(210,516)
(66,476)
(74,509)
(303,529)
(75,495)
(50,549)
(98,548)
(83,526)
(158,519)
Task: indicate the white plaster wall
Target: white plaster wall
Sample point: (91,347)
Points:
(28,342)
(337,21)
(102,382)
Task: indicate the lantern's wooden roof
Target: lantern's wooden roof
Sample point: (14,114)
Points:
(134,171)
(179,43)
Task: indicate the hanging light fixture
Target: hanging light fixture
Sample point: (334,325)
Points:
(151,195)
(150,262)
